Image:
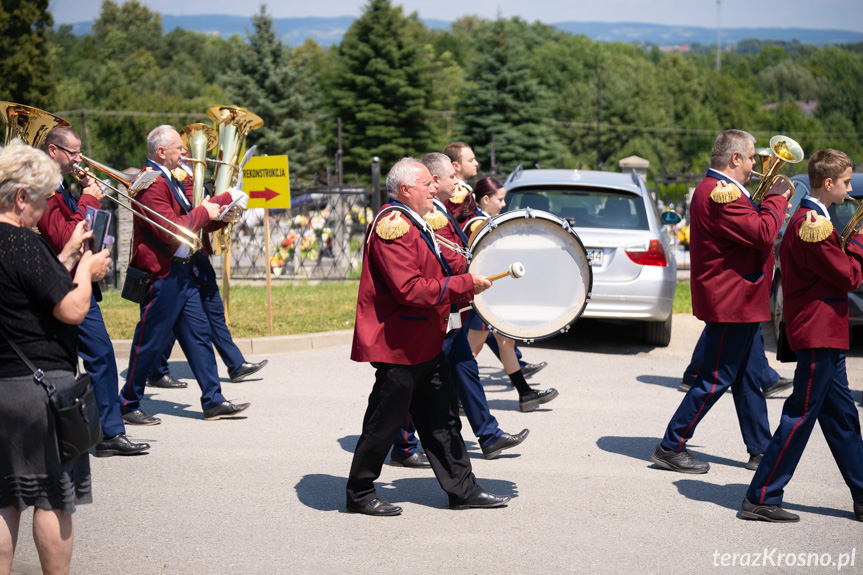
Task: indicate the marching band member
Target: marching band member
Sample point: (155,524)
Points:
(465,371)
(816,278)
(172,301)
(732,269)
(62,213)
(214,307)
(489,197)
(406,289)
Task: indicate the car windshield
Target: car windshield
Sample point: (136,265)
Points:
(585,208)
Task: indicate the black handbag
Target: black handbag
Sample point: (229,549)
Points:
(135,285)
(74,409)
(784,353)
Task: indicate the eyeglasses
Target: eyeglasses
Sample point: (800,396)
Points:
(69,152)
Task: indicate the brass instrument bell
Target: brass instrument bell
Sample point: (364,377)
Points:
(30,125)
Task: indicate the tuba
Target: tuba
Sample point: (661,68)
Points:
(783,150)
(199,139)
(233,124)
(30,125)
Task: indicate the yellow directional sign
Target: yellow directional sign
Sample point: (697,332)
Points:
(265,179)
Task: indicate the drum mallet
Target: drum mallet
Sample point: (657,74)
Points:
(516,270)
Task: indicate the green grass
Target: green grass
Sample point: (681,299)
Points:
(298,308)
(682,298)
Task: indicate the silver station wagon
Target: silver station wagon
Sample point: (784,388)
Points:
(630,249)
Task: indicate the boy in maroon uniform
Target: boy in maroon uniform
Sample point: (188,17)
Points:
(816,278)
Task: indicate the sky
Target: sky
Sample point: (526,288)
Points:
(830,14)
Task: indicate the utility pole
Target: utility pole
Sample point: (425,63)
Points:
(718,36)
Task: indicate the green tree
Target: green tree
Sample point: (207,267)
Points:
(270,80)
(26,68)
(507,103)
(382,89)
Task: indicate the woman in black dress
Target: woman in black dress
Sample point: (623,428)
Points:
(40,305)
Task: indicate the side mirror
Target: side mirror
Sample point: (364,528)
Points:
(670,218)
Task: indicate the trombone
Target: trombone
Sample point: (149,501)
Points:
(783,150)
(185,236)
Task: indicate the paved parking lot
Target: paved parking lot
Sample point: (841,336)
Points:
(265,493)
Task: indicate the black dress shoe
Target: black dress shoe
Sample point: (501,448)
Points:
(226,409)
(858,511)
(772,513)
(139,417)
(684,386)
(535,399)
(505,441)
(418,459)
(682,462)
(753,462)
(376,507)
(246,370)
(532,368)
(119,445)
(167,382)
(484,500)
(781,385)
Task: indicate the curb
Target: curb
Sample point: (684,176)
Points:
(262,345)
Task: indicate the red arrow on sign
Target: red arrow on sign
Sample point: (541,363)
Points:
(267,194)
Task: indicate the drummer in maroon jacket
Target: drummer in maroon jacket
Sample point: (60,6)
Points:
(731,247)
(816,278)
(406,289)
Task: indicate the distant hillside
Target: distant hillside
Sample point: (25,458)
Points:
(328,31)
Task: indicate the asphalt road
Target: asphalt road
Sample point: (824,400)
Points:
(265,493)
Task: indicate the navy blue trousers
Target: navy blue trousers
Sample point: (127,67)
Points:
(769,376)
(214,307)
(727,361)
(820,394)
(97,352)
(172,303)
(465,375)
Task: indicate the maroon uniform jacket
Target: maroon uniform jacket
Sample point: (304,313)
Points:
(456,261)
(404,299)
(731,246)
(816,279)
(58,222)
(152,247)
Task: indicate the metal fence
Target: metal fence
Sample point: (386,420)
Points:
(320,237)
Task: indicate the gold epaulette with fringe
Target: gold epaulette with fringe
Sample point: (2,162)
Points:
(815,228)
(724,193)
(436,219)
(459,194)
(180,174)
(392,227)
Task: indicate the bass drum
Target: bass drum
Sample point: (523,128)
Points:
(557,282)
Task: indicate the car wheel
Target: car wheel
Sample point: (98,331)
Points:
(776,311)
(658,333)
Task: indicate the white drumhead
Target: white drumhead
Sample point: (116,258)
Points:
(555,287)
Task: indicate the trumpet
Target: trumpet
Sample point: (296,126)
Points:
(783,150)
(185,236)
(853,224)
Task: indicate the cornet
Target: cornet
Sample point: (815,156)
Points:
(783,150)
(853,224)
